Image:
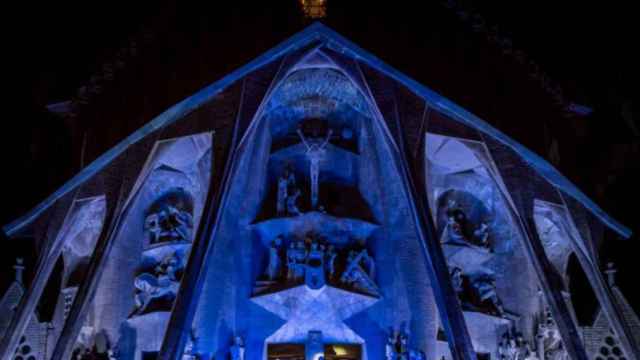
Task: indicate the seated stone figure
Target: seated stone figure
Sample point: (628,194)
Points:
(162,282)
(170,218)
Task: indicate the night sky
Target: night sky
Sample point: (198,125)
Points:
(586,47)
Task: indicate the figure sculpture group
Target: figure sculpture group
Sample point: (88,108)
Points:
(169,220)
(160,283)
(461,231)
(477,292)
(288,193)
(315,260)
(548,343)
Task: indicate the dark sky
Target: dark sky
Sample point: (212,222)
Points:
(582,44)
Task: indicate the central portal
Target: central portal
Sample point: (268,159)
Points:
(330,352)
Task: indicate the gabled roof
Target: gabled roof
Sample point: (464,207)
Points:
(320,32)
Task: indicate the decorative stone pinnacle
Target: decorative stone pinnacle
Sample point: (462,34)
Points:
(19,268)
(611,273)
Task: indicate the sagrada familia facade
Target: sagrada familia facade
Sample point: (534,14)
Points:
(316,204)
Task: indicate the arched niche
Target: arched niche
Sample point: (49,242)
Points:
(175,178)
(461,170)
(553,230)
(78,235)
(83,231)
(462,181)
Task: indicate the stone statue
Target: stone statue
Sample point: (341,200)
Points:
(397,348)
(550,346)
(286,186)
(237,349)
(481,235)
(331,261)
(484,286)
(296,260)
(167,223)
(456,281)
(314,269)
(161,283)
(190,349)
(390,352)
(273,269)
(369,264)
(460,230)
(315,153)
(292,208)
(513,347)
(355,276)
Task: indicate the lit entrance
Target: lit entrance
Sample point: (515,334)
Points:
(297,352)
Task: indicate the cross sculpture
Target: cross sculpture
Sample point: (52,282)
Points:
(316,149)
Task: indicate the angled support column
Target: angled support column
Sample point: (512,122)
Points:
(521,182)
(449,308)
(412,165)
(184,307)
(84,296)
(605,297)
(186,301)
(45,264)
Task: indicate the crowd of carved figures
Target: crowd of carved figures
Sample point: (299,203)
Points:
(316,261)
(548,343)
(477,292)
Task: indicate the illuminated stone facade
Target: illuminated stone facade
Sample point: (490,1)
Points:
(316,203)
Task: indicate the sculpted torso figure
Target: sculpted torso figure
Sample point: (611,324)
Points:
(315,153)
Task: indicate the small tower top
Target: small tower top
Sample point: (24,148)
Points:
(19,268)
(611,273)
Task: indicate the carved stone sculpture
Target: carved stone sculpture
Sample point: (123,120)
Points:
(237,349)
(162,282)
(274,267)
(512,346)
(314,270)
(286,188)
(390,352)
(292,207)
(315,153)
(550,346)
(485,290)
(331,261)
(296,258)
(457,282)
(354,274)
(397,348)
(170,219)
(477,292)
(461,231)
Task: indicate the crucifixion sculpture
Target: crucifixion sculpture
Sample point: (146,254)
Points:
(316,149)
